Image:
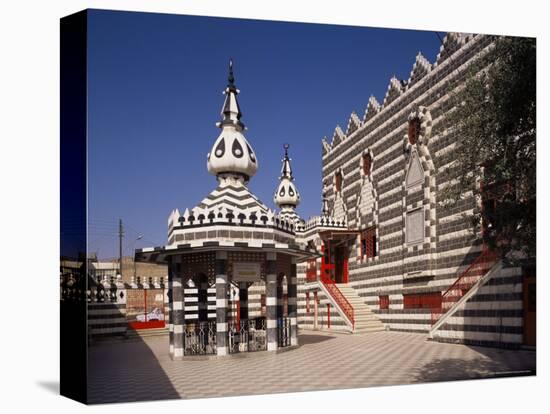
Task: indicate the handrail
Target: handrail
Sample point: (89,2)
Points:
(486,254)
(341,300)
(464,282)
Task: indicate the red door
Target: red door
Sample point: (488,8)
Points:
(340,264)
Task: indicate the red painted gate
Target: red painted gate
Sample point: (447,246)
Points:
(145,308)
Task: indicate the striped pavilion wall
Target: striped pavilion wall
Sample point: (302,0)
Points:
(255,292)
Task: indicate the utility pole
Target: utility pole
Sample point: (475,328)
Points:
(120,236)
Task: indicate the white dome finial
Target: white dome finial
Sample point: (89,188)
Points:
(231,153)
(286,195)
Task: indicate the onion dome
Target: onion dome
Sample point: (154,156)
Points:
(231,154)
(286,194)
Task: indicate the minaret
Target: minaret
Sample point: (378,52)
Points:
(286,196)
(231,155)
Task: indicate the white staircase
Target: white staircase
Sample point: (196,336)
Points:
(365,319)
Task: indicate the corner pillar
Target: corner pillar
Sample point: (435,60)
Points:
(243,301)
(177,307)
(221,303)
(271,301)
(292,305)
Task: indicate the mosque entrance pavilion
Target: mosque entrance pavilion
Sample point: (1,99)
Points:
(232,260)
(228,270)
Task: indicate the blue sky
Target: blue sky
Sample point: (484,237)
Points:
(155,83)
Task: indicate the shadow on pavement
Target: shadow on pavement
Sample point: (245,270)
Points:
(305,339)
(126,373)
(461,369)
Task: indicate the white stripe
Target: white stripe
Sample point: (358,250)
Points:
(271,323)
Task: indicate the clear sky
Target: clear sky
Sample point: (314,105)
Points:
(155,87)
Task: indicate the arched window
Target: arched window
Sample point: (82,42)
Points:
(338,181)
(366,163)
(414,130)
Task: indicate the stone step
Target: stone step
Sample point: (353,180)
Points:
(365,318)
(369,320)
(366,330)
(368,324)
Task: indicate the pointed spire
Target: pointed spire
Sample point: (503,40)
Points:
(286,170)
(231,110)
(230,77)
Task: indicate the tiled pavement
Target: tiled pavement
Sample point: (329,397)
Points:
(143,370)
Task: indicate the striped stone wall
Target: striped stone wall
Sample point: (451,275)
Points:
(191,303)
(405,179)
(493,316)
(446,246)
(107,319)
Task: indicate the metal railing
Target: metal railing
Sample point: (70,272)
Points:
(283,332)
(248,336)
(340,300)
(477,269)
(200,338)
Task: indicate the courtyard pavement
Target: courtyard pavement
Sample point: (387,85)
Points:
(138,370)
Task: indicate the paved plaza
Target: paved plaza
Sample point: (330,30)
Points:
(137,370)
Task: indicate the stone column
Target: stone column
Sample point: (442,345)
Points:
(292,307)
(221,303)
(178,316)
(280,295)
(315,312)
(271,301)
(170,306)
(243,300)
(203,298)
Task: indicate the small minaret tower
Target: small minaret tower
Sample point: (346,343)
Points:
(231,155)
(286,196)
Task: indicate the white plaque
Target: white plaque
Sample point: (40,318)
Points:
(246,271)
(415,226)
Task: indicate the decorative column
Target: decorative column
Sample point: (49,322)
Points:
(243,301)
(221,303)
(315,312)
(280,295)
(178,317)
(203,298)
(271,301)
(170,307)
(292,307)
